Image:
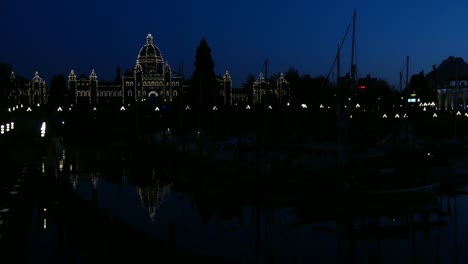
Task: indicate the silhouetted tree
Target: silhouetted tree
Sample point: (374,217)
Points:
(5,72)
(249,81)
(128,73)
(58,91)
(118,76)
(203,84)
(295,82)
(419,84)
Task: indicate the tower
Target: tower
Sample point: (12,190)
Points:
(72,98)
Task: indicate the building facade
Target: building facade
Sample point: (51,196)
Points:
(152,81)
(453,96)
(29,93)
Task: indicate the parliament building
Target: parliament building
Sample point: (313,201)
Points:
(153,82)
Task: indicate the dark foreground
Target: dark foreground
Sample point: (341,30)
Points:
(80,207)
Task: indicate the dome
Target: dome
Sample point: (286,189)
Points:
(150,57)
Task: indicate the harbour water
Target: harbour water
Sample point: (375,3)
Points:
(94,211)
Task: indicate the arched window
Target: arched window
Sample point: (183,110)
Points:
(174,93)
(129,93)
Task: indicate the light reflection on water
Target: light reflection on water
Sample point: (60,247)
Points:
(307,231)
(282,231)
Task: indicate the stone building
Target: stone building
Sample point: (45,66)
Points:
(153,82)
(26,94)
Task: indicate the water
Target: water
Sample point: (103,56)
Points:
(93,213)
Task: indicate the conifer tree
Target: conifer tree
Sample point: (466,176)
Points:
(203,85)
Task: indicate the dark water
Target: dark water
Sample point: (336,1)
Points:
(88,211)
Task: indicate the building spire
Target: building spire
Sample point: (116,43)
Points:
(149,39)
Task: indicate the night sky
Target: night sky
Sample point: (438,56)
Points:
(54,37)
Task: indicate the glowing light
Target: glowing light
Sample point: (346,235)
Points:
(304,106)
(12,125)
(122,108)
(384,116)
(7,127)
(45,223)
(59,109)
(466,114)
(94,109)
(397,116)
(38,105)
(215,108)
(358,105)
(2,129)
(9,109)
(21,105)
(187,107)
(269,107)
(405,116)
(156,109)
(434,115)
(247,107)
(29,109)
(321,106)
(43,129)
(458,113)
(424,109)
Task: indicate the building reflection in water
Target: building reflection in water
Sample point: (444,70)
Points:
(315,227)
(152,196)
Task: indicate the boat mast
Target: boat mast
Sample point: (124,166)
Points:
(338,104)
(353,78)
(353,66)
(266,84)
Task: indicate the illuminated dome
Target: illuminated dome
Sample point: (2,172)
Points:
(150,57)
(37,78)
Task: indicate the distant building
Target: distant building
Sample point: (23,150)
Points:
(26,93)
(152,81)
(453,96)
(261,92)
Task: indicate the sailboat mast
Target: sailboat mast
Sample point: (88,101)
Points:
(353,66)
(338,109)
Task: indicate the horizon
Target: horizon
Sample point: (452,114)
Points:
(105,37)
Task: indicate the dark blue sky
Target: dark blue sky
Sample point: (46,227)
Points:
(56,36)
